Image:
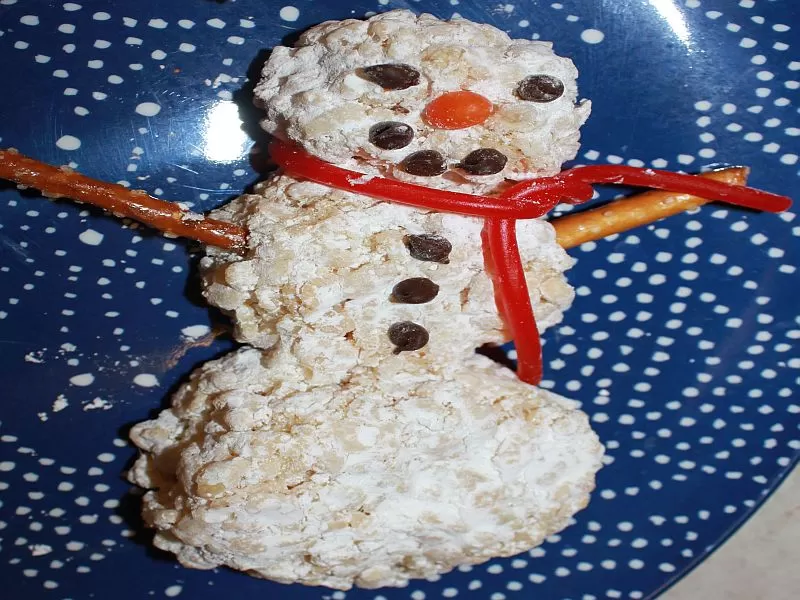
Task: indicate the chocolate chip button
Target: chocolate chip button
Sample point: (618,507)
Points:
(484,161)
(391,76)
(391,135)
(416,290)
(425,163)
(429,247)
(408,336)
(540,88)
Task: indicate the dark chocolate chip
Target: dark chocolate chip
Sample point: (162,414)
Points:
(391,135)
(429,247)
(407,336)
(416,290)
(485,161)
(425,163)
(540,88)
(391,76)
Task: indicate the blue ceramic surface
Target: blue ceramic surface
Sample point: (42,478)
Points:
(681,344)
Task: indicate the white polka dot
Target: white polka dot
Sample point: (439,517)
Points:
(82,380)
(173,590)
(31,20)
(728,108)
(148,109)
(68,142)
(145,380)
(67,28)
(91,237)
(592,36)
(289,13)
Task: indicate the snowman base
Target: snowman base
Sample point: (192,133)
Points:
(360,484)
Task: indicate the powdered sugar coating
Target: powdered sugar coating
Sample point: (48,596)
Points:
(322,264)
(325,457)
(368,483)
(314,96)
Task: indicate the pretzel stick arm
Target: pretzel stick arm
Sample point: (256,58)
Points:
(56,182)
(635,211)
(571,230)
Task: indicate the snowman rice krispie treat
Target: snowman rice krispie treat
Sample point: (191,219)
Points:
(360,440)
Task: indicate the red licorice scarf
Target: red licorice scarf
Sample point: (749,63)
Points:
(525,200)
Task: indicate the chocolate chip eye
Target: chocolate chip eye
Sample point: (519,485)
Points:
(429,247)
(425,163)
(408,336)
(391,135)
(391,76)
(416,290)
(540,88)
(484,161)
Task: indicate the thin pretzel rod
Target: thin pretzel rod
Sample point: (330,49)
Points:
(56,182)
(634,211)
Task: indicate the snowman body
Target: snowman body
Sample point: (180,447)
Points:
(331,273)
(358,439)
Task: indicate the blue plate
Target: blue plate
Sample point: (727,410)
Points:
(681,343)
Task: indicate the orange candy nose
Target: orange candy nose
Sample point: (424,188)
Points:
(457,110)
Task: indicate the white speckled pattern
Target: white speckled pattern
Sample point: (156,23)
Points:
(678,344)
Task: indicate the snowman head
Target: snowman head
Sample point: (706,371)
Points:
(448,104)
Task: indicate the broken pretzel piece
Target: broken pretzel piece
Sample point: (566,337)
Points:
(634,211)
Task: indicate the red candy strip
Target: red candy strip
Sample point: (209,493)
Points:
(512,297)
(525,200)
(682,183)
(574,185)
(294,161)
